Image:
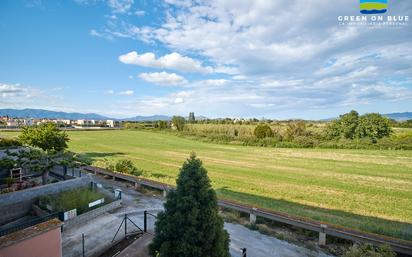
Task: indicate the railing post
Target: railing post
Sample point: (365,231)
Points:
(83,243)
(322,234)
(252,217)
(125,224)
(145,221)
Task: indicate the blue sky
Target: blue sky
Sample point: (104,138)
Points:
(220,58)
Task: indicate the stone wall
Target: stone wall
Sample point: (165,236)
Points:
(15,205)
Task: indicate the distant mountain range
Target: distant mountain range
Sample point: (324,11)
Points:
(399,115)
(149,118)
(46,114)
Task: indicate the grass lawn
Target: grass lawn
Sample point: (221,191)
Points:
(370,190)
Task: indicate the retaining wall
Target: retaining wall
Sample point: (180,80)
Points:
(85,217)
(15,205)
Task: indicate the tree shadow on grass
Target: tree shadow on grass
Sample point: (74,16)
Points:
(370,224)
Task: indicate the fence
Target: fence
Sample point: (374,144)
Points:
(27,224)
(17,204)
(398,245)
(85,217)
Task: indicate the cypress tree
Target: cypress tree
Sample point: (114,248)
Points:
(190,226)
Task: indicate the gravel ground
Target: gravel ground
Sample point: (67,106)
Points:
(100,232)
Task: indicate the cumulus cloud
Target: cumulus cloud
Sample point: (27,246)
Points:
(163,78)
(279,56)
(173,61)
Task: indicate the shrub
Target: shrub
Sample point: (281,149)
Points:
(367,250)
(126,166)
(73,199)
(6,164)
(296,129)
(6,142)
(304,141)
(179,122)
(10,181)
(262,131)
(105,164)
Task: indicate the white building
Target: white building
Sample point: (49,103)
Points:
(85,122)
(113,123)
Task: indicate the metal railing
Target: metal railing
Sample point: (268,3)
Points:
(27,224)
(398,245)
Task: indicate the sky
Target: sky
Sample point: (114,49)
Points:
(218,58)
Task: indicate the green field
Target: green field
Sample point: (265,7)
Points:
(370,190)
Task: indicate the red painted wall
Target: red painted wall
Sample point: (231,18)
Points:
(47,244)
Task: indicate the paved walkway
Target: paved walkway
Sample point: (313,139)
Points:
(101,230)
(138,248)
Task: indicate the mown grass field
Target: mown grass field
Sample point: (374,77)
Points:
(370,190)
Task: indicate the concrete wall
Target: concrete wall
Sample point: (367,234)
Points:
(85,217)
(47,244)
(17,204)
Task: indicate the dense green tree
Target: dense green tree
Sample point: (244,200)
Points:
(37,161)
(46,136)
(190,225)
(348,124)
(179,122)
(49,138)
(351,126)
(374,126)
(333,130)
(262,131)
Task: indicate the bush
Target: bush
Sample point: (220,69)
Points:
(262,131)
(6,142)
(10,181)
(73,199)
(6,164)
(367,250)
(304,141)
(105,164)
(296,129)
(179,122)
(126,166)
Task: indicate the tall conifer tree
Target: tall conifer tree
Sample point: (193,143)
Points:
(190,225)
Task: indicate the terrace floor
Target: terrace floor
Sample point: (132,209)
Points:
(100,232)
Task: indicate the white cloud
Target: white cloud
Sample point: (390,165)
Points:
(163,78)
(11,91)
(120,6)
(19,96)
(173,61)
(126,92)
(290,57)
(109,92)
(139,13)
